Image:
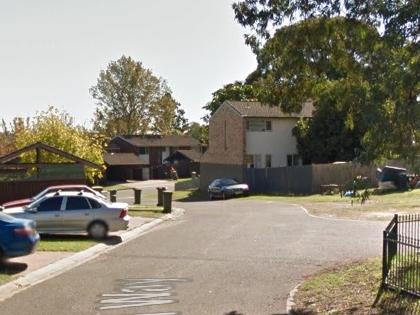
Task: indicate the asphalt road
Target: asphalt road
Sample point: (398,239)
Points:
(223,257)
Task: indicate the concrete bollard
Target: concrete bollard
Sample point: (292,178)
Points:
(160,191)
(167,201)
(113,196)
(137,196)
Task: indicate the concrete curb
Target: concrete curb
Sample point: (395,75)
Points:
(291,299)
(52,270)
(329,219)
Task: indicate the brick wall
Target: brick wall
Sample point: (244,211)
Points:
(226,138)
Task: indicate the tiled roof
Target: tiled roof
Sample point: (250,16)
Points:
(193,155)
(256,109)
(123,159)
(161,141)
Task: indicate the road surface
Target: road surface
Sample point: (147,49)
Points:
(223,257)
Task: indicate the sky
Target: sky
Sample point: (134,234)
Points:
(51,52)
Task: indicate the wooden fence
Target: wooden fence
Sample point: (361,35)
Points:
(12,190)
(306,179)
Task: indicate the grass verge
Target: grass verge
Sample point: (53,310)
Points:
(116,187)
(189,195)
(378,207)
(145,211)
(65,243)
(351,289)
(5,278)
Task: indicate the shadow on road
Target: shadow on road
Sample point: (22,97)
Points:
(12,268)
(294,312)
(300,312)
(194,196)
(112,240)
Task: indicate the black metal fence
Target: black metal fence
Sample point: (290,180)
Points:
(401,254)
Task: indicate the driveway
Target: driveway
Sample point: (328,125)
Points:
(149,192)
(223,257)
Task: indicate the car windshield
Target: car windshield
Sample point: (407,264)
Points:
(33,204)
(228,182)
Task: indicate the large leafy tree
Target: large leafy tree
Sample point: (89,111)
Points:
(132,100)
(399,20)
(331,62)
(237,91)
(58,129)
(7,132)
(167,116)
(199,131)
(395,134)
(357,60)
(302,59)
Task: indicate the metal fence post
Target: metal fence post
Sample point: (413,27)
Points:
(384,259)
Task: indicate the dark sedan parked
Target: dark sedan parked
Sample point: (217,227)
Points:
(18,237)
(226,187)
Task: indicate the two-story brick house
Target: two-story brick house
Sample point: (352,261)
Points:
(250,134)
(140,157)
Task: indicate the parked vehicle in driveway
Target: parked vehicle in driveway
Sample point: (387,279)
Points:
(226,188)
(18,237)
(74,212)
(51,189)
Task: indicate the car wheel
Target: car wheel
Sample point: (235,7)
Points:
(98,230)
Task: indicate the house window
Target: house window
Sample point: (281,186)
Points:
(143,150)
(257,161)
(249,161)
(258,125)
(293,159)
(268,160)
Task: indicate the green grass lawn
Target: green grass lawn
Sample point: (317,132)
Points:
(5,278)
(378,207)
(189,195)
(117,187)
(183,180)
(351,289)
(65,243)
